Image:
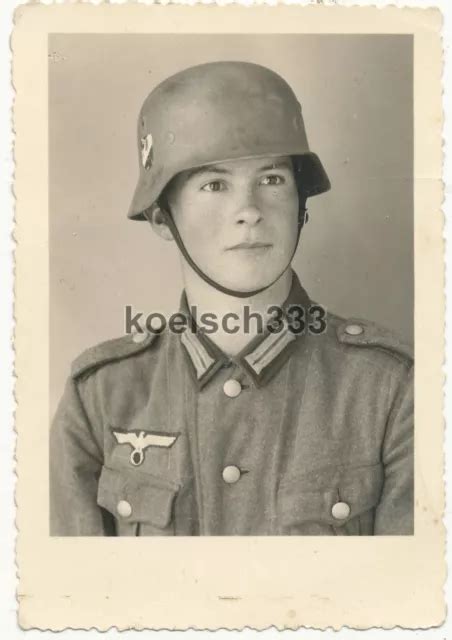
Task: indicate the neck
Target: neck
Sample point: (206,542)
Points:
(209,300)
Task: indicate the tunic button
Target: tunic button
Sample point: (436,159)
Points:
(231,474)
(124,509)
(232,388)
(340,510)
(354,329)
(139,337)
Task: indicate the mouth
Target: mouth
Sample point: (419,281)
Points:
(249,245)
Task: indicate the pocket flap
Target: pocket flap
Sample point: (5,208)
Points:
(312,498)
(135,497)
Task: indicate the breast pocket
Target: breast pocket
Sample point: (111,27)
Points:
(331,501)
(140,503)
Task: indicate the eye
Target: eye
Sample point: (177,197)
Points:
(213,186)
(272,180)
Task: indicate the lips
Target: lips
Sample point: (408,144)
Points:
(249,245)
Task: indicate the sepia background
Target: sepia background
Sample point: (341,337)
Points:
(356,253)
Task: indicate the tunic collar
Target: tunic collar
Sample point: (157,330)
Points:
(261,358)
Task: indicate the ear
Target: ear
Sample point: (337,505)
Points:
(157,220)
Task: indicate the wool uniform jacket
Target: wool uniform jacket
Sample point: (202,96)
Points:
(306,434)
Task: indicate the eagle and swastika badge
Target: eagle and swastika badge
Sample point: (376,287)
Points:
(141,440)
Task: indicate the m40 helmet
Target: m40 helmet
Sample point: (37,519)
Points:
(217,112)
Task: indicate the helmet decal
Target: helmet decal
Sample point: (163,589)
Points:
(147,155)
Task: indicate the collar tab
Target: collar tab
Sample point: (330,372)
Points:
(262,358)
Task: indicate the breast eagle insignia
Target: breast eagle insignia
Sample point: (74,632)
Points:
(141,440)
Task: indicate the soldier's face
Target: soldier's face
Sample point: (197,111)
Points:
(238,219)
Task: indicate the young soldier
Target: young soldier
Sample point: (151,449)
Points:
(247,433)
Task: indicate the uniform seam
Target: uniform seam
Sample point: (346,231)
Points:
(361,353)
(170,415)
(397,403)
(192,432)
(281,441)
(168,387)
(405,360)
(88,422)
(277,457)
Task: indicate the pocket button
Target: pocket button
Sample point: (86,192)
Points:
(340,510)
(231,474)
(124,508)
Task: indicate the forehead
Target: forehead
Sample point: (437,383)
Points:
(247,166)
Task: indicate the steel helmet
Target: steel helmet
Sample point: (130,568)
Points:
(217,112)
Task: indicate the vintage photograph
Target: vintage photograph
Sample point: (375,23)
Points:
(276,396)
(229,259)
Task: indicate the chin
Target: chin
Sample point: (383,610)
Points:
(248,282)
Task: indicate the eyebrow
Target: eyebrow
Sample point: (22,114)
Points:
(285,164)
(213,168)
(208,168)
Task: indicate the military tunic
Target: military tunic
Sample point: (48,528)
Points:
(298,435)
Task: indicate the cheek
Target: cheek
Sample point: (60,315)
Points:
(283,213)
(198,222)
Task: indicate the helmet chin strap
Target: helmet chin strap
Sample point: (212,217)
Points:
(302,219)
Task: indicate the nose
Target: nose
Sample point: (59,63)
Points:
(250,216)
(248,213)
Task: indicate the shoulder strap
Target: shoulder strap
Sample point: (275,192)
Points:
(111,351)
(363,333)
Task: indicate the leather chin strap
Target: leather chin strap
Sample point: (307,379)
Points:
(302,220)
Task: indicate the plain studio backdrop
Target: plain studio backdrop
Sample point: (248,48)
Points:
(355,255)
